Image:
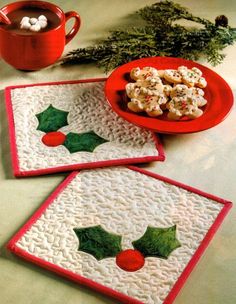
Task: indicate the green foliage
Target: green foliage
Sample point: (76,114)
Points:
(157,242)
(160,36)
(51,119)
(98,242)
(83,142)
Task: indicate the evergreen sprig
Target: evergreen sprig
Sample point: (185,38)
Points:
(160,36)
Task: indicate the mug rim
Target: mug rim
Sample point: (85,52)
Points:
(37,3)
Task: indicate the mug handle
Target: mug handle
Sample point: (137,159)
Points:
(75,27)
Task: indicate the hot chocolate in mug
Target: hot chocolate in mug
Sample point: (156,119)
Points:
(27,49)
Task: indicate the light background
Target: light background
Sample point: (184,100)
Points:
(205,160)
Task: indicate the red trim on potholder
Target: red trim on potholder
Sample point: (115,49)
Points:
(106,290)
(14,154)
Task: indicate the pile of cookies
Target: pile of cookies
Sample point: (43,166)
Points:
(177,92)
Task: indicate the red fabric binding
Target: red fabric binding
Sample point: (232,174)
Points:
(15,160)
(103,289)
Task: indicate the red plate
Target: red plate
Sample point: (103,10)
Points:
(217,93)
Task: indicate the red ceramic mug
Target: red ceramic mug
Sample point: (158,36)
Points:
(36,50)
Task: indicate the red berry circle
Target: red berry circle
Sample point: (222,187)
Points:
(53,139)
(130,260)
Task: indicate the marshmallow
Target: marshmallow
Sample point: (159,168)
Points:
(42,17)
(35,27)
(34,24)
(25,25)
(24,20)
(33,21)
(42,23)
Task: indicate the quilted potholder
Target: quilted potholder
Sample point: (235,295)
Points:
(125,232)
(67,126)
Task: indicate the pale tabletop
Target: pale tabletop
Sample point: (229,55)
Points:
(205,160)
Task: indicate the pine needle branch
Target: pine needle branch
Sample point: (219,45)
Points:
(160,36)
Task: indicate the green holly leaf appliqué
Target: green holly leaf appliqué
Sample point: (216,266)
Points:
(52,119)
(98,242)
(157,242)
(83,142)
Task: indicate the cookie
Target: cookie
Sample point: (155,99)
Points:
(184,92)
(143,73)
(185,102)
(152,86)
(180,90)
(132,90)
(176,91)
(198,94)
(179,107)
(151,104)
(172,76)
(192,77)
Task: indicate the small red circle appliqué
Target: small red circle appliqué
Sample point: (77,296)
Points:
(53,139)
(130,260)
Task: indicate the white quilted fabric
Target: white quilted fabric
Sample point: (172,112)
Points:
(124,202)
(88,111)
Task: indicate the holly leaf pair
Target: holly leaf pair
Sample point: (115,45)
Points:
(52,119)
(156,242)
